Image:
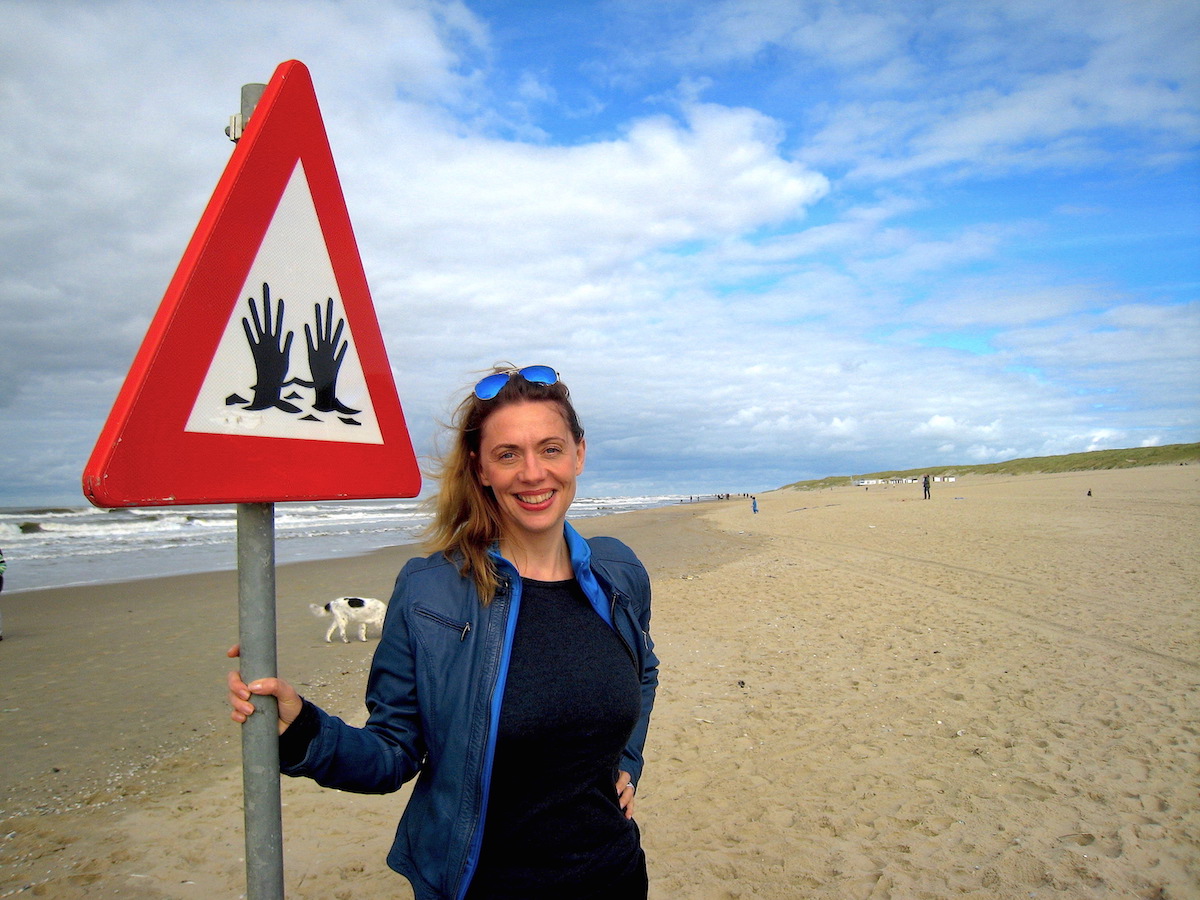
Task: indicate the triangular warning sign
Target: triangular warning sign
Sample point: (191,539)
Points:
(263,376)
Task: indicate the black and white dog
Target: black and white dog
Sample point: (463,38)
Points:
(360,611)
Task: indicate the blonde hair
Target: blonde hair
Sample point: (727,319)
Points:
(466,517)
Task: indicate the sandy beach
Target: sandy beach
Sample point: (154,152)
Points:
(994,693)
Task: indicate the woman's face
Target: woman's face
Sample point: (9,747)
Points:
(529,459)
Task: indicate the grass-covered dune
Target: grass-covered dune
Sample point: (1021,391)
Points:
(1171,454)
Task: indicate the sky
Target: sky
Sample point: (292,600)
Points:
(760,241)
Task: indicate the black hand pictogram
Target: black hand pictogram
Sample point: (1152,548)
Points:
(270,355)
(325,358)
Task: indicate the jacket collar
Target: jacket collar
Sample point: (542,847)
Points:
(581,564)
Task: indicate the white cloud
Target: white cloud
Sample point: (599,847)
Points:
(841,36)
(1018,87)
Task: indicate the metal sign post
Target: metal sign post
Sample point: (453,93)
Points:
(260,734)
(262,802)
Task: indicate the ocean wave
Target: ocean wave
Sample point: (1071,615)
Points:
(57,546)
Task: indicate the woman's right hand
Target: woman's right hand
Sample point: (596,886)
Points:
(290,703)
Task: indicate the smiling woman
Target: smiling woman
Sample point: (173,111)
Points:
(524,451)
(530,460)
(514,678)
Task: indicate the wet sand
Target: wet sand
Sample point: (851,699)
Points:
(992,693)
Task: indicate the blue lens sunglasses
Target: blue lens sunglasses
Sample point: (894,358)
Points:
(489,387)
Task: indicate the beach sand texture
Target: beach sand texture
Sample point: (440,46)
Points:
(993,693)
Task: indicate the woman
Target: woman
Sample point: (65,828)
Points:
(514,677)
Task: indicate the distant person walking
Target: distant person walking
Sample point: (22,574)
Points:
(754,504)
(925,484)
(3,566)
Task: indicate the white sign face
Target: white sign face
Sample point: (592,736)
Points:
(286,366)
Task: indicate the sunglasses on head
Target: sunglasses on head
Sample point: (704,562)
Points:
(489,387)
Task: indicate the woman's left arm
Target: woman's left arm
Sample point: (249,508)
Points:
(631,758)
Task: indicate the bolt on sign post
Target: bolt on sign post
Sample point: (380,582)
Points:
(263,378)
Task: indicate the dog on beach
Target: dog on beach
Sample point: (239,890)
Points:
(360,611)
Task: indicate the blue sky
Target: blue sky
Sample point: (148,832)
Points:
(761,241)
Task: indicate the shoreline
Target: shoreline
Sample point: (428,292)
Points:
(863,694)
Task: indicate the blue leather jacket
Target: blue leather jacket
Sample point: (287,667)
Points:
(434,694)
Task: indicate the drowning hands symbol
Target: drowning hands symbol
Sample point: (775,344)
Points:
(271,352)
(326,351)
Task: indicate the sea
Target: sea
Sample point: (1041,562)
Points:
(66,546)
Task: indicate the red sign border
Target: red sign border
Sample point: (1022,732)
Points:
(143,456)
